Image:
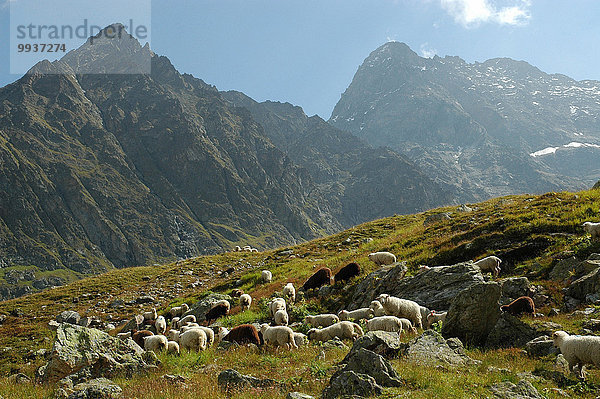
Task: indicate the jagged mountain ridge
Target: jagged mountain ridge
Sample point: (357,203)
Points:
(449,116)
(360,182)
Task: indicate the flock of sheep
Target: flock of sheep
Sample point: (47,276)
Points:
(385,313)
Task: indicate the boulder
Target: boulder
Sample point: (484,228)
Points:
(68,316)
(596,186)
(522,390)
(298,395)
(200,308)
(383,343)
(99,388)
(349,383)
(435,218)
(366,362)
(589,284)
(231,379)
(434,288)
(510,332)
(541,346)
(515,287)
(473,314)
(432,349)
(76,348)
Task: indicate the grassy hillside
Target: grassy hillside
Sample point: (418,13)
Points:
(530,233)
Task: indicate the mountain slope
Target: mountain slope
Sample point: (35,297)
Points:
(361,182)
(473,126)
(119,170)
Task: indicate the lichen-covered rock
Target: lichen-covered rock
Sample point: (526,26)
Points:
(349,383)
(541,346)
(68,316)
(76,348)
(522,390)
(515,287)
(370,363)
(473,314)
(383,343)
(586,285)
(510,332)
(99,388)
(231,379)
(432,349)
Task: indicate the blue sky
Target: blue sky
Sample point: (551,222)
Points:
(306,52)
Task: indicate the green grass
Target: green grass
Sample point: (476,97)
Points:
(530,233)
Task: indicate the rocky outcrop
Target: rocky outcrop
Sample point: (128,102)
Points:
(349,384)
(573,269)
(522,390)
(432,349)
(541,346)
(98,388)
(587,287)
(515,287)
(473,314)
(78,349)
(434,288)
(231,379)
(383,343)
(510,332)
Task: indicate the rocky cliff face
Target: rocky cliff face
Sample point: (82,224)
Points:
(360,183)
(482,129)
(113,170)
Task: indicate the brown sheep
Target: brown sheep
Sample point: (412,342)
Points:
(320,278)
(243,334)
(520,305)
(138,336)
(218,311)
(347,272)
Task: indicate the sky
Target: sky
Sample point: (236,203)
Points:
(306,52)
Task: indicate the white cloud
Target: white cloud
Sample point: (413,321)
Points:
(472,13)
(426,51)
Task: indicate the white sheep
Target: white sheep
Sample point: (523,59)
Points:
(275,305)
(124,335)
(185,320)
(401,308)
(382,258)
(173,347)
(155,343)
(489,263)
(253,250)
(193,340)
(210,335)
(247,248)
(433,317)
(321,320)
(377,308)
(220,333)
(173,335)
(151,315)
(281,318)
(161,325)
(341,330)
(407,325)
(358,314)
(179,311)
(266,276)
(424,313)
(237,248)
(188,327)
(578,350)
(278,336)
(245,301)
(175,322)
(289,292)
(300,339)
(593,229)
(385,323)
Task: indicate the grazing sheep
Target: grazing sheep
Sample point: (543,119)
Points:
(243,334)
(161,325)
(223,302)
(424,313)
(347,272)
(320,278)
(401,308)
(188,326)
(278,336)
(377,308)
(266,276)
(289,292)
(215,312)
(210,335)
(220,333)
(237,248)
(321,320)
(593,229)
(245,301)
(179,311)
(281,318)
(407,325)
(185,320)
(173,335)
(342,330)
(155,343)
(275,305)
(175,322)
(358,314)
(236,293)
(382,258)
(193,340)
(124,335)
(138,336)
(173,347)
(433,317)
(300,339)
(253,250)
(491,264)
(151,315)
(385,323)
(578,350)
(247,248)
(520,305)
